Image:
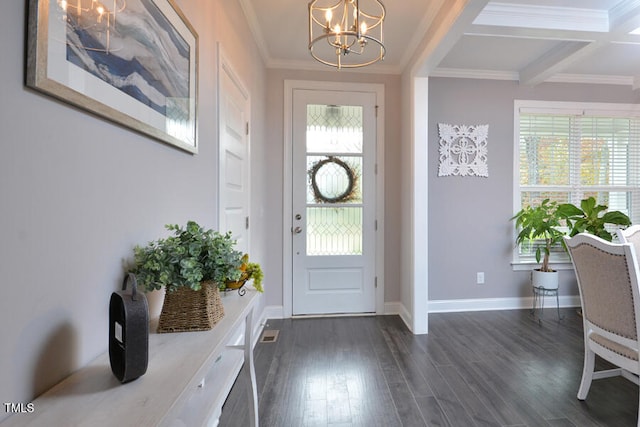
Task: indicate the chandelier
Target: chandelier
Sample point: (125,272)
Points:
(343,35)
(95,20)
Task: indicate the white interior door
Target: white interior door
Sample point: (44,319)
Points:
(333,202)
(234,157)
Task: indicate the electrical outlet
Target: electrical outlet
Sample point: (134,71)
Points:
(480,278)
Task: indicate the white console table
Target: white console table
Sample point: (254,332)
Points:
(187,381)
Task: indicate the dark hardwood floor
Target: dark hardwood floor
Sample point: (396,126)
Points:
(498,368)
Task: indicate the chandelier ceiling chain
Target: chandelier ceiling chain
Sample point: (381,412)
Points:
(343,35)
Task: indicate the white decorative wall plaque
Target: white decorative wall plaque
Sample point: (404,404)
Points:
(463,150)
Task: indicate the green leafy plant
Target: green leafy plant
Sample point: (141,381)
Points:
(550,220)
(592,218)
(540,223)
(187,258)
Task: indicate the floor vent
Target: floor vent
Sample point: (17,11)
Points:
(269,335)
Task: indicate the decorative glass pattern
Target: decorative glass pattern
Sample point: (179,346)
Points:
(334,180)
(334,129)
(334,231)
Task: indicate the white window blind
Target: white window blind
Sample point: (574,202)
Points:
(568,154)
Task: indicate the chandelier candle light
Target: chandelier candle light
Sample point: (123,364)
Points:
(95,19)
(343,35)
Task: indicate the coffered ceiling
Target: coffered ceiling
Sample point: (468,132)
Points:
(530,41)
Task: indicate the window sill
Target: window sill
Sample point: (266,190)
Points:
(530,265)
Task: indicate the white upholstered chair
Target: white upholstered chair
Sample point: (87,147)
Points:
(607,276)
(630,235)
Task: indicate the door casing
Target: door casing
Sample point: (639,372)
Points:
(287,247)
(234,205)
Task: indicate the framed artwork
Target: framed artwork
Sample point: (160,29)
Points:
(134,62)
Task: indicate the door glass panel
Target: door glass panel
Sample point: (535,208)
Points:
(334,179)
(334,231)
(334,129)
(334,185)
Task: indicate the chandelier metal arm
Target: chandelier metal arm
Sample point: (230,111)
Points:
(353,31)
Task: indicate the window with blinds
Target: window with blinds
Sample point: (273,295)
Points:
(567,152)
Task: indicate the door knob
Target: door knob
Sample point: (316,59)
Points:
(297,230)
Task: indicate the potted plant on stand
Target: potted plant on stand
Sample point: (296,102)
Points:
(547,222)
(190,265)
(541,224)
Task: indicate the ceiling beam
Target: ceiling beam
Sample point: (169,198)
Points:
(444,33)
(532,33)
(624,17)
(556,61)
(551,17)
(548,34)
(580,35)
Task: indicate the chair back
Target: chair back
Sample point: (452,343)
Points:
(630,235)
(607,276)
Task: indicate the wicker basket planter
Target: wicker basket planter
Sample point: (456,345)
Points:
(186,310)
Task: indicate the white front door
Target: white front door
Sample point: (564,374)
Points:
(333,202)
(234,157)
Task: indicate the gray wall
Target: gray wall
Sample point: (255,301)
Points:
(78,192)
(469,227)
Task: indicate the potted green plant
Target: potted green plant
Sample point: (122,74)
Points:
(548,222)
(537,223)
(592,218)
(190,265)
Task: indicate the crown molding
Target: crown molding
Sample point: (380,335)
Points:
(258,37)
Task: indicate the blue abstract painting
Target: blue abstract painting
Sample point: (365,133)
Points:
(138,51)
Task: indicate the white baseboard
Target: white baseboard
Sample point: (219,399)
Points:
(485,304)
(399,309)
(393,308)
(448,306)
(272,312)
